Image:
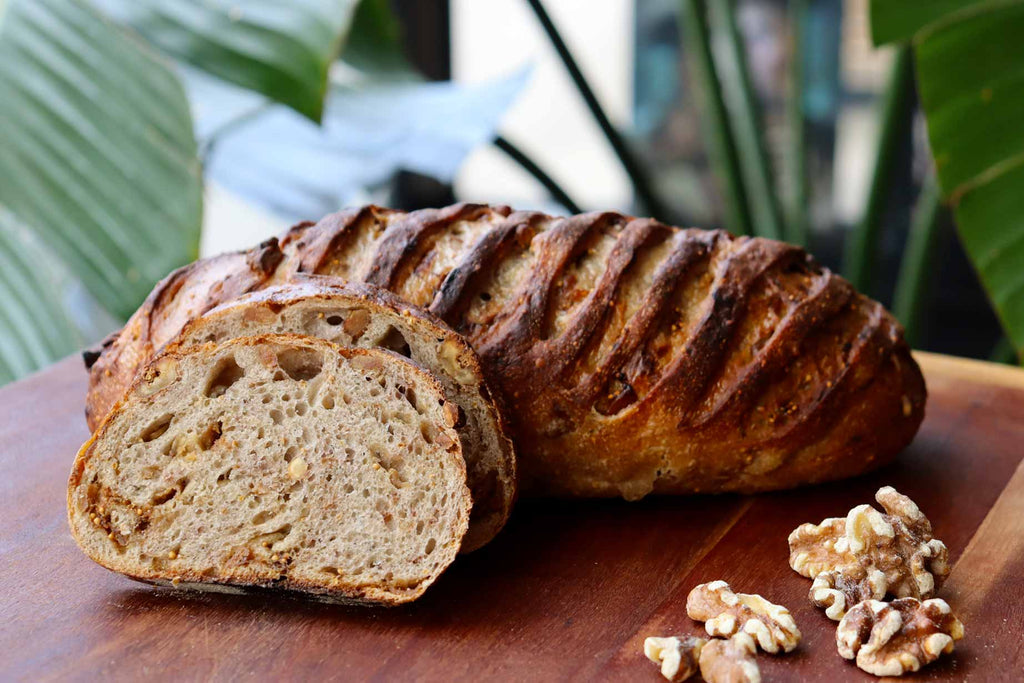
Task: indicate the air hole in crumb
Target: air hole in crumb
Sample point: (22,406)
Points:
(164,496)
(300,364)
(290,454)
(392,340)
(300,409)
(327,402)
(431,544)
(169,494)
(156,429)
(331,570)
(419,527)
(485,296)
(210,436)
(261,517)
(409,394)
(334,320)
(460,417)
(277,416)
(427,431)
(225,373)
(382,509)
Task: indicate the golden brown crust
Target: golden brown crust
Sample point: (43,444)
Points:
(636,357)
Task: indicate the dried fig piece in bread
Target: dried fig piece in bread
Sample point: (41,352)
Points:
(276,461)
(361,315)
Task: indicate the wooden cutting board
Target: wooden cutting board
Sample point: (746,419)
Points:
(568,591)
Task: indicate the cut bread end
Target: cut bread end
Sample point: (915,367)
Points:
(276,461)
(359,315)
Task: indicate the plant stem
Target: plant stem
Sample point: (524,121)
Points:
(894,118)
(531,167)
(796,215)
(917,267)
(744,115)
(637,174)
(714,118)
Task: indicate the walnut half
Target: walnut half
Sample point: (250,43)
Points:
(726,613)
(679,657)
(730,661)
(868,555)
(890,639)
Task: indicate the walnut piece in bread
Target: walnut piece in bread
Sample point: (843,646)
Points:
(890,639)
(678,656)
(726,613)
(278,462)
(730,661)
(868,555)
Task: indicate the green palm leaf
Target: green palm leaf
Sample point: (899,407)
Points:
(970,74)
(283,50)
(97,153)
(37,328)
(894,20)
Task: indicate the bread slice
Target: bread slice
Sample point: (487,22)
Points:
(366,316)
(276,461)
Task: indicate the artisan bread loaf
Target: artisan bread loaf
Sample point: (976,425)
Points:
(365,316)
(636,357)
(276,461)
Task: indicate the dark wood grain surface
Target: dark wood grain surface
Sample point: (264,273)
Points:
(568,591)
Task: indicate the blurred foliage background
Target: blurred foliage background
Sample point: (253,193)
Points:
(883,135)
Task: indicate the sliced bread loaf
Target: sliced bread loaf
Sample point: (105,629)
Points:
(276,461)
(365,316)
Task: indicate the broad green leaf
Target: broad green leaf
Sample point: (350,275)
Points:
(990,219)
(283,50)
(285,163)
(96,149)
(33,310)
(374,43)
(970,75)
(970,79)
(372,54)
(899,20)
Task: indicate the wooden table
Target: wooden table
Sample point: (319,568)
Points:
(567,591)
